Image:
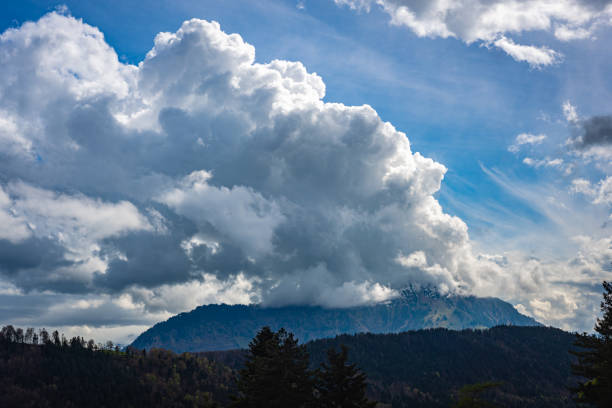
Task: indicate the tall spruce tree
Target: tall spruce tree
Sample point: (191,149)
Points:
(595,358)
(276,373)
(339,384)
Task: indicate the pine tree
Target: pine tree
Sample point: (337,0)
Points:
(341,385)
(276,373)
(595,358)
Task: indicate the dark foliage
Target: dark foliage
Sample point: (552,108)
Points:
(340,384)
(595,358)
(428,368)
(75,373)
(470,396)
(425,368)
(276,373)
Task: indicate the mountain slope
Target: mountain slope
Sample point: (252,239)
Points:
(223,327)
(70,375)
(426,368)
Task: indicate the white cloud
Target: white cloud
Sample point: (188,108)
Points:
(189,295)
(239,213)
(604,193)
(569,112)
(526,139)
(568,33)
(601,192)
(76,61)
(491,22)
(13,227)
(546,162)
(356,4)
(534,56)
(13,142)
(414,260)
(582,186)
(51,214)
(73,220)
(56,238)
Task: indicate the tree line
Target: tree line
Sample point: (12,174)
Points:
(43,337)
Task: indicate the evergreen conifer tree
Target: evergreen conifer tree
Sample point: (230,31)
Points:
(339,384)
(276,373)
(595,358)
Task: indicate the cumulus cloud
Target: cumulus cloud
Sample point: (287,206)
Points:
(201,161)
(490,22)
(202,176)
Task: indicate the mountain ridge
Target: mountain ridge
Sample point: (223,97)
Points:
(226,327)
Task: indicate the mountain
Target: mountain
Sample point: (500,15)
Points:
(223,327)
(426,368)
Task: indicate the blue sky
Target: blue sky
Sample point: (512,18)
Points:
(461,101)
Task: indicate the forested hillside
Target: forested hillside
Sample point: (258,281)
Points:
(224,327)
(426,368)
(75,374)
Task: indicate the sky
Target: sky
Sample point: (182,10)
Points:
(162,155)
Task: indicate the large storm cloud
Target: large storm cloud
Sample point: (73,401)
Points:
(201,176)
(201,160)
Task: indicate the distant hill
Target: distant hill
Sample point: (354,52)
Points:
(71,375)
(426,368)
(223,327)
